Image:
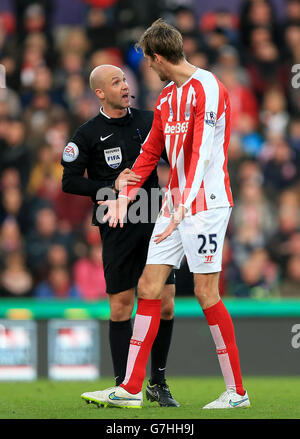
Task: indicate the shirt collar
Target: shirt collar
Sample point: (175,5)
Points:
(108,117)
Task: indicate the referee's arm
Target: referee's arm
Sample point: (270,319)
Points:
(75,183)
(75,161)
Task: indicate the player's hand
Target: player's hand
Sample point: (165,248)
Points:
(175,220)
(126,177)
(117,210)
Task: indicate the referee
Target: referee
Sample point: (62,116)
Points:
(106,147)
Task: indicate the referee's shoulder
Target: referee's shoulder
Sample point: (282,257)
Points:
(146,115)
(86,131)
(86,126)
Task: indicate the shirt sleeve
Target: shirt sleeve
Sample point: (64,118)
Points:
(75,161)
(207,100)
(149,156)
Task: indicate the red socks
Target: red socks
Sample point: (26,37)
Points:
(221,327)
(145,328)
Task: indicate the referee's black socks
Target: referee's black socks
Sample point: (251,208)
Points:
(160,350)
(119,337)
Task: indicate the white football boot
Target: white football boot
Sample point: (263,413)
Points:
(114,397)
(229,400)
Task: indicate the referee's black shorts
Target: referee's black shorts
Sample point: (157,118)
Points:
(124,252)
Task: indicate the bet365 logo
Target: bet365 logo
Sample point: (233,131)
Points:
(176,127)
(296,338)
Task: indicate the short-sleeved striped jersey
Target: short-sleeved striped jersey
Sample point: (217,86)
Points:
(193,123)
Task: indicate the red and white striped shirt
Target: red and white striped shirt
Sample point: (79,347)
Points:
(193,123)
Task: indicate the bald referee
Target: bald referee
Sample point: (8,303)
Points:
(106,146)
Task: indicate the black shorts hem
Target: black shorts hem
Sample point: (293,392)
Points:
(118,290)
(124,287)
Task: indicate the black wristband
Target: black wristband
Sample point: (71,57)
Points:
(114,187)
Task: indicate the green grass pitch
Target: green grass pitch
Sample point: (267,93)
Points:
(271,398)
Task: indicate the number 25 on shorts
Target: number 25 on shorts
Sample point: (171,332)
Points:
(208,243)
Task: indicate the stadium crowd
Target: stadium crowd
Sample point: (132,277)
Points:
(48,247)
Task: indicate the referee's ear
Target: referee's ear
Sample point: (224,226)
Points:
(99,93)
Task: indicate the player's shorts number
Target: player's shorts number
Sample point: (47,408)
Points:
(211,242)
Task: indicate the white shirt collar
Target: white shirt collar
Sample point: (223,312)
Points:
(108,117)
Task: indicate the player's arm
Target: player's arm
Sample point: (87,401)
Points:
(148,120)
(143,166)
(147,160)
(204,129)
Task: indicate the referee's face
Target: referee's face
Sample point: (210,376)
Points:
(116,91)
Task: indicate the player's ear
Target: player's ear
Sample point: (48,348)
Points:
(157,58)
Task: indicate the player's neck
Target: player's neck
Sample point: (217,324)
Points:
(181,73)
(114,113)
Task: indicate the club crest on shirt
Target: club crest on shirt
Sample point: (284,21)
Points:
(211,118)
(71,152)
(113,157)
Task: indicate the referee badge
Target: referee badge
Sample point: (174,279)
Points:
(71,152)
(113,157)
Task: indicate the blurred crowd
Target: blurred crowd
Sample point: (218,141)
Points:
(48,247)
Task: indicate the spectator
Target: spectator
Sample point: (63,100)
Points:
(279,245)
(279,170)
(254,14)
(257,278)
(199,59)
(39,115)
(150,87)
(274,116)
(46,170)
(292,11)
(222,19)
(58,256)
(291,284)
(252,207)
(10,105)
(70,63)
(293,139)
(101,33)
(39,241)
(89,275)
(58,286)
(10,177)
(244,111)
(15,279)
(15,152)
(11,238)
(13,206)
(264,64)
(229,59)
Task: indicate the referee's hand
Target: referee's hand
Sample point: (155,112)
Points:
(126,177)
(117,210)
